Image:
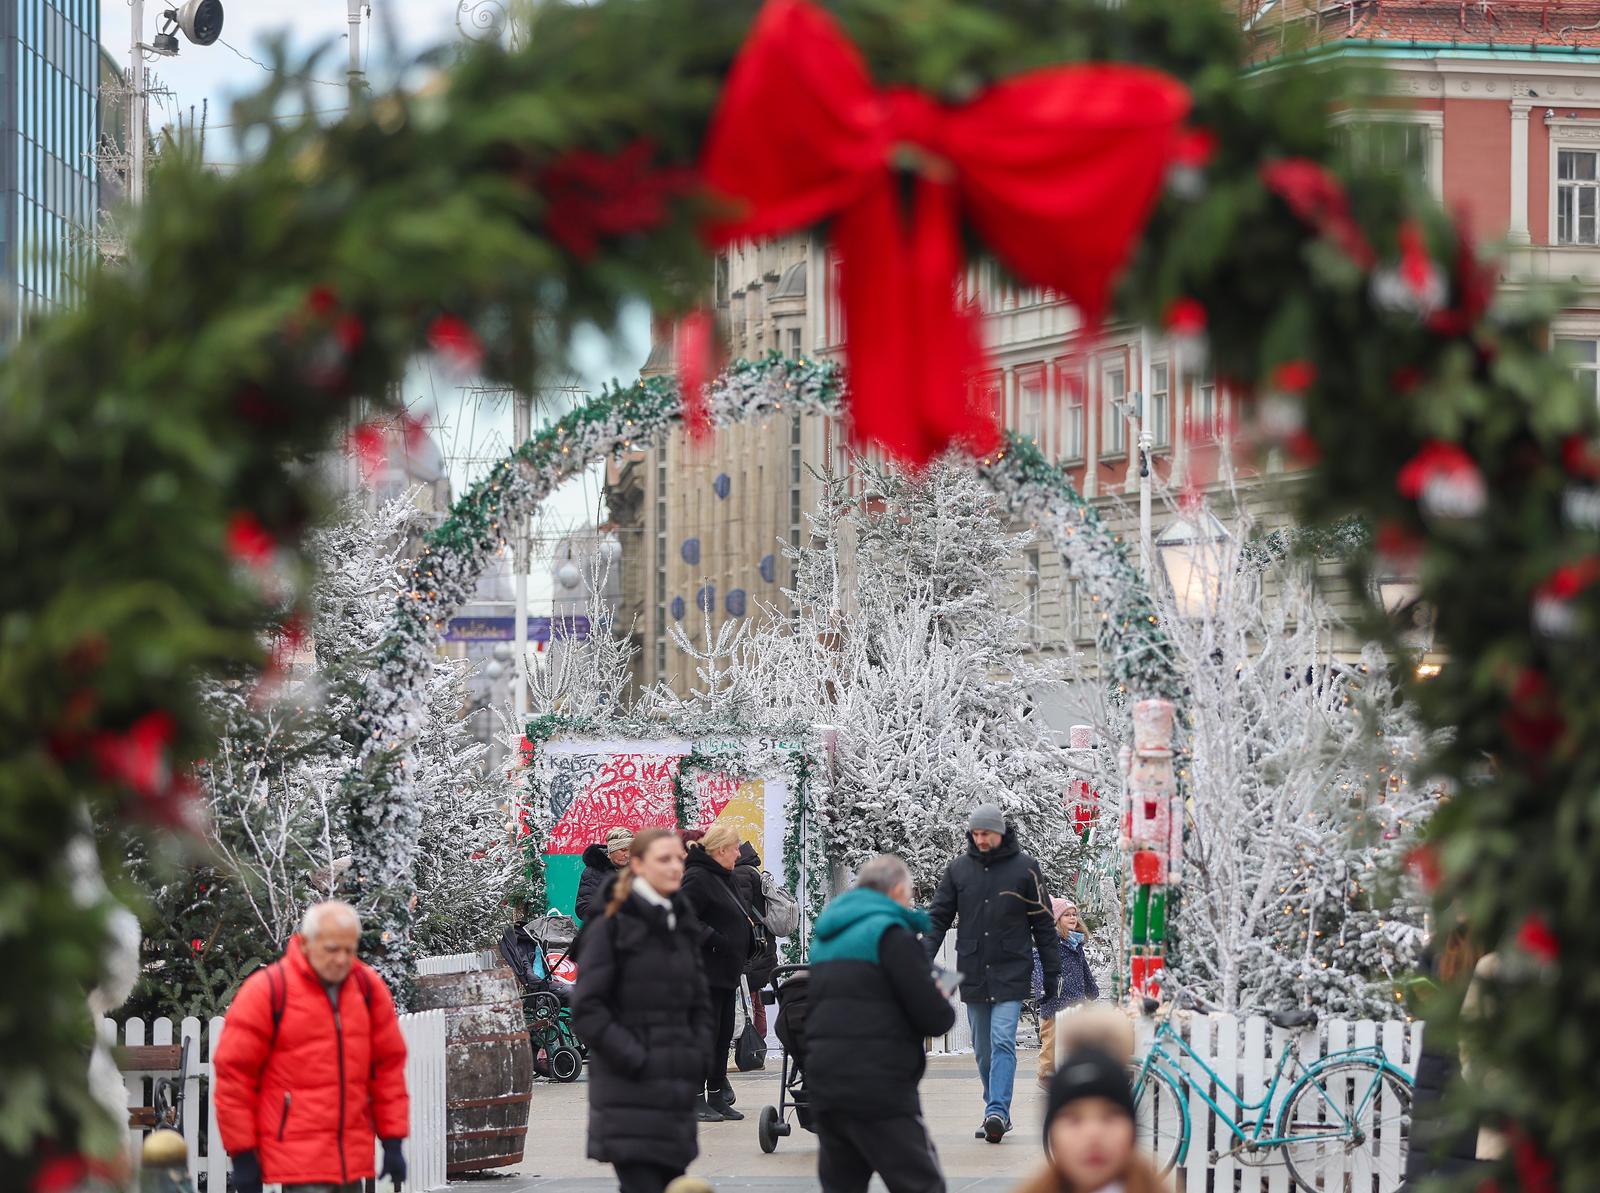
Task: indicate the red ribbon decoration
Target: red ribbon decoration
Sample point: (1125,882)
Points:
(1056,170)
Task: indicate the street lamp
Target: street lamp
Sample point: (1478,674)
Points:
(201,23)
(1194,558)
(1401,597)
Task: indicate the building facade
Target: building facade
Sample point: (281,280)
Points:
(49,65)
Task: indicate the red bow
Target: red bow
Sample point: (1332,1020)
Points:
(1056,170)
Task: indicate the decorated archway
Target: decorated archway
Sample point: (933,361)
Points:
(155,439)
(386,812)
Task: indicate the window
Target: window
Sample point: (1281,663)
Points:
(794,342)
(1577,188)
(1071,388)
(1071,612)
(1030,404)
(661,657)
(1030,581)
(1158,407)
(1582,356)
(1204,421)
(1113,427)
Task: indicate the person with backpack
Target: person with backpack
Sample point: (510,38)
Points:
(764,959)
(642,1007)
(311,1067)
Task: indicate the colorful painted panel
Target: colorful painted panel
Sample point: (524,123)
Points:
(597,786)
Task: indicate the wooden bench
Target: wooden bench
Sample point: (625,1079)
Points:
(153,1060)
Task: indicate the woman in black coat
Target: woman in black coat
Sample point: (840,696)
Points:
(642,1008)
(726,939)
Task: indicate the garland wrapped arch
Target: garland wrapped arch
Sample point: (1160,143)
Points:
(385,813)
(154,439)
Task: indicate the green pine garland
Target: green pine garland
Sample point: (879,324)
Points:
(153,442)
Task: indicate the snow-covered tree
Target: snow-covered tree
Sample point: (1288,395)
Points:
(1291,821)
(274,802)
(914,652)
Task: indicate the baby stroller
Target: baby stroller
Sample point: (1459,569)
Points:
(789,983)
(546,999)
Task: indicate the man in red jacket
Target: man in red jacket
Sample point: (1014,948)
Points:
(310,1069)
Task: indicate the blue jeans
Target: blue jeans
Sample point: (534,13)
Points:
(994,1039)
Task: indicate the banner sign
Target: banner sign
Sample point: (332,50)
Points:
(504,629)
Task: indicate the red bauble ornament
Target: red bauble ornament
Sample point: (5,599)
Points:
(137,757)
(1536,938)
(1445,480)
(1294,376)
(248,541)
(452,337)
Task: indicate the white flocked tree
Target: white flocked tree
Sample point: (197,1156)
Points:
(902,632)
(1300,802)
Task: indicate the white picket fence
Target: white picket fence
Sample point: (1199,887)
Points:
(1245,1052)
(460,962)
(208,1164)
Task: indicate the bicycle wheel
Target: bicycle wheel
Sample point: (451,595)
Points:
(1161,1118)
(1349,1127)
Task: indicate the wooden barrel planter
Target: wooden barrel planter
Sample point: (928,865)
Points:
(488,1066)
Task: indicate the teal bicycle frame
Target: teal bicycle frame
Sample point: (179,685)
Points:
(1160,1061)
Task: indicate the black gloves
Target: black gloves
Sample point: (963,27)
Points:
(394,1163)
(246,1173)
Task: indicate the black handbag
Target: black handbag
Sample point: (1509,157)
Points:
(750,1051)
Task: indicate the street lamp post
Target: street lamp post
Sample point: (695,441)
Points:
(1193,557)
(1145,443)
(200,21)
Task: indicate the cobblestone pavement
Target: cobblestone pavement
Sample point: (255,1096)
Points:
(731,1159)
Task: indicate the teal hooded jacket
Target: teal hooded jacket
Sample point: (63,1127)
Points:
(872,1002)
(851,927)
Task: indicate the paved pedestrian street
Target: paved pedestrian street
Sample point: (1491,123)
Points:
(731,1159)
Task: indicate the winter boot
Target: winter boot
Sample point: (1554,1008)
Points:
(705,1112)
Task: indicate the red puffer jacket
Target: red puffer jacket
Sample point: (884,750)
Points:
(311,1102)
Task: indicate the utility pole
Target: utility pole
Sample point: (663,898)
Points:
(136,99)
(357,77)
(521,432)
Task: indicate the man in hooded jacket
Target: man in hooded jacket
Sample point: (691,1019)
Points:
(872,1001)
(996,896)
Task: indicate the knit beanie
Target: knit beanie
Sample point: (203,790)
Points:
(1059,907)
(1087,1073)
(987,818)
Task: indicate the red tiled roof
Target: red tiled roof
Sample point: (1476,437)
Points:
(1505,24)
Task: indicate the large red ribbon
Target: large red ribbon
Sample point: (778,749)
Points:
(1056,170)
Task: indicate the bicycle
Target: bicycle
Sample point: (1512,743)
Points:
(1344,1123)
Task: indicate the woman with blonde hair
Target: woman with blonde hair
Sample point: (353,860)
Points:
(641,1007)
(726,936)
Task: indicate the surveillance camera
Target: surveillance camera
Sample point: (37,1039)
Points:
(200,20)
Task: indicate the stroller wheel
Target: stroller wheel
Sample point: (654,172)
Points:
(767,1129)
(566,1063)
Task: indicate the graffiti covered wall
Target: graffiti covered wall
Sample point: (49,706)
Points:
(596,786)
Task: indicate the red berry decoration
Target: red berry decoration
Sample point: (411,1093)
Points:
(1536,938)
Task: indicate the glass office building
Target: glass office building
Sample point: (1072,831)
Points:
(49,67)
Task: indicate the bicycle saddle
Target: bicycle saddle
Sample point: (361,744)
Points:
(1290,1020)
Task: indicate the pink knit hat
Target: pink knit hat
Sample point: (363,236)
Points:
(1061,906)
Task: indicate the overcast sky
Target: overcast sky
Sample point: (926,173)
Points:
(467,429)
